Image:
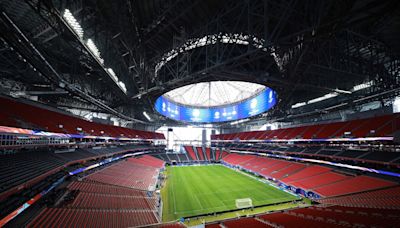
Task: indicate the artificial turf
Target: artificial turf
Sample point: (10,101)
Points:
(197,190)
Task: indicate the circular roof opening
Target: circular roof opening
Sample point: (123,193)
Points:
(216,101)
(213,94)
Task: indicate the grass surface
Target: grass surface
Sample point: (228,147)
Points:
(197,190)
(234,214)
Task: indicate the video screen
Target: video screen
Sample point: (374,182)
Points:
(247,108)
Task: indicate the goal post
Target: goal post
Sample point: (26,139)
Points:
(244,203)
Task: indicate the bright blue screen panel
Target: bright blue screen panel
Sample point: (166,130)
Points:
(250,107)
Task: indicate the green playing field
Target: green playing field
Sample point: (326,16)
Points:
(196,190)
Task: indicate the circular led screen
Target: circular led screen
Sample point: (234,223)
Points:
(260,102)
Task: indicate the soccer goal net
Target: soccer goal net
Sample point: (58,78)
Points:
(244,203)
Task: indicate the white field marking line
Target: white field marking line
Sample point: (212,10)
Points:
(236,185)
(223,201)
(230,191)
(218,201)
(173,196)
(198,201)
(208,208)
(258,202)
(188,211)
(212,208)
(219,192)
(223,192)
(265,181)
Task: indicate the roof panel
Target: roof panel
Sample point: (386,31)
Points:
(215,93)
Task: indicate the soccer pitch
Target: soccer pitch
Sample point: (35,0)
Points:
(197,190)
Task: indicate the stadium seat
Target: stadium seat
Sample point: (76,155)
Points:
(191,152)
(70,124)
(245,222)
(129,174)
(367,127)
(382,199)
(352,185)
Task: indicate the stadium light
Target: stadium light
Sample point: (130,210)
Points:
(363,86)
(73,23)
(239,121)
(297,105)
(334,94)
(77,28)
(325,97)
(122,86)
(112,73)
(116,79)
(342,91)
(147,116)
(396,105)
(315,100)
(95,51)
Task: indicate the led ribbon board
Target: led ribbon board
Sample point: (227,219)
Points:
(260,103)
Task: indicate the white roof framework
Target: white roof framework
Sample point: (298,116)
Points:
(215,93)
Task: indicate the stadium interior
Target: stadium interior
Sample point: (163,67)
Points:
(199,113)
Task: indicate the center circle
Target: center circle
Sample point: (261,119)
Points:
(216,101)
